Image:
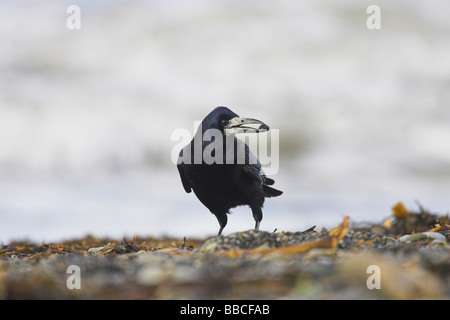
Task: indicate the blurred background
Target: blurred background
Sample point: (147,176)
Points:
(86,116)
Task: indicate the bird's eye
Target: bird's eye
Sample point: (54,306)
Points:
(224,122)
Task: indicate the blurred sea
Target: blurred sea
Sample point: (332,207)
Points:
(86,116)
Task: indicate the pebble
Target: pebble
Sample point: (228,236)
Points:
(436,237)
(204,272)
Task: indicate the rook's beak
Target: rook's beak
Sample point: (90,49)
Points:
(238,125)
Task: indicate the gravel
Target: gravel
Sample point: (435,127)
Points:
(244,265)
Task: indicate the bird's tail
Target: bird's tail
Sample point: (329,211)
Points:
(271,192)
(268,181)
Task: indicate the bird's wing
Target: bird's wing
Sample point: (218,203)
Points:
(252,166)
(253,171)
(181,171)
(184,181)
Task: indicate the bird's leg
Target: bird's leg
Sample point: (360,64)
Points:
(257,215)
(223,219)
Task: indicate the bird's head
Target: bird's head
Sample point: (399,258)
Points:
(227,121)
